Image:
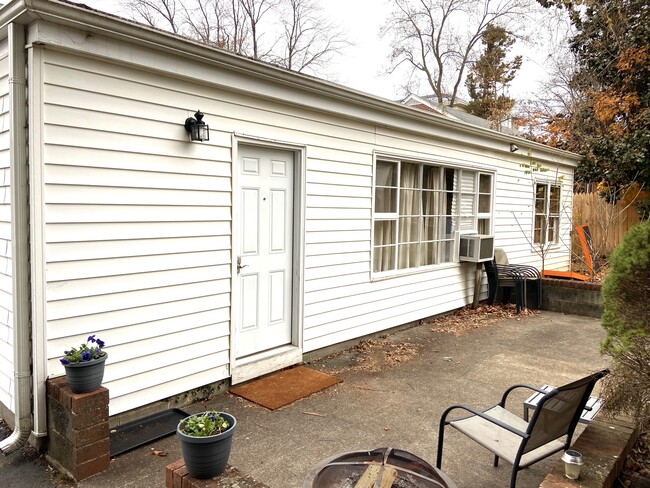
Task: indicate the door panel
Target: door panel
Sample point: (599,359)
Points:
(264,236)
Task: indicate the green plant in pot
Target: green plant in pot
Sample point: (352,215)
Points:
(206,439)
(84,366)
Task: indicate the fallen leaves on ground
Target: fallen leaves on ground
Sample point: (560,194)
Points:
(375,353)
(393,352)
(637,465)
(468,318)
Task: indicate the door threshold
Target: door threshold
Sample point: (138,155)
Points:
(265,362)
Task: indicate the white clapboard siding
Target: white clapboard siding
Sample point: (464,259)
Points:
(314,225)
(375,306)
(387,321)
(134,161)
(338,236)
(6,287)
(327,167)
(375,293)
(70,270)
(127,179)
(395,308)
(201,360)
(119,338)
(105,231)
(110,325)
(105,285)
(136,213)
(167,389)
(73,307)
(326,260)
(79,250)
(137,230)
(138,221)
(337,213)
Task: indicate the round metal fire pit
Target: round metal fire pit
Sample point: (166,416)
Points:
(403,468)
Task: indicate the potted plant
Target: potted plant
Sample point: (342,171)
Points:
(84,366)
(206,439)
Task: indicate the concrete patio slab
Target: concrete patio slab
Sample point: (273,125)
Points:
(393,393)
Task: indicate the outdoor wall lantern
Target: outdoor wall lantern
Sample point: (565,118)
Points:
(198,130)
(514,148)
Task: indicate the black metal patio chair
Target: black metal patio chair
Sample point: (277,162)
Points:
(501,274)
(522,443)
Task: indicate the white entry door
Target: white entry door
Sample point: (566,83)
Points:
(264,237)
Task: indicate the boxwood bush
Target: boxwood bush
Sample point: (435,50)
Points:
(626,319)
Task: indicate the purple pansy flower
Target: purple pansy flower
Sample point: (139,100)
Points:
(87,352)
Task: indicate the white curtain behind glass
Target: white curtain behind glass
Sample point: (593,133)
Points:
(384,231)
(409,212)
(431,203)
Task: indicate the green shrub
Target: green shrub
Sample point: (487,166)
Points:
(626,319)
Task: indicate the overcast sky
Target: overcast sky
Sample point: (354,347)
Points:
(362,65)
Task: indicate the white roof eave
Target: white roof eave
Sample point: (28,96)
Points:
(82,17)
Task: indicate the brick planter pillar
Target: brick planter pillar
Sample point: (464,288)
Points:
(78,431)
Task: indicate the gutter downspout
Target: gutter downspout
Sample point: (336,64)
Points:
(19,241)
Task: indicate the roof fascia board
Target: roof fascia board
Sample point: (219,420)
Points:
(350,102)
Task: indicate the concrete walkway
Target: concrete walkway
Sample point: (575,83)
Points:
(393,394)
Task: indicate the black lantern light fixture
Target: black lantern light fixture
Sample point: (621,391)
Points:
(198,130)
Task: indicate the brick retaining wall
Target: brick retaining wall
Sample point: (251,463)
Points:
(572,296)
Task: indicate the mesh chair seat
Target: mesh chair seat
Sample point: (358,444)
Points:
(500,441)
(519,442)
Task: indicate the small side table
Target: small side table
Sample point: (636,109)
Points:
(593,406)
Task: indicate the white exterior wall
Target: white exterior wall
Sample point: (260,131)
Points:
(137,230)
(137,220)
(514,205)
(6,300)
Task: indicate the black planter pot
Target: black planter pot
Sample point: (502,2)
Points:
(87,376)
(207,457)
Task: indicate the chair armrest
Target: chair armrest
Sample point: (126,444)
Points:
(483,415)
(519,385)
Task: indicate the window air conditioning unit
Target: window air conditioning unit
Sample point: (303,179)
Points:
(476,248)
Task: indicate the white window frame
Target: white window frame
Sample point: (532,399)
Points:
(487,217)
(542,238)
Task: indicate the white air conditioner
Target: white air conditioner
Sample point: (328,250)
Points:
(476,248)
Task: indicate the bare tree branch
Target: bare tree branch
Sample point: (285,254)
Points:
(309,41)
(153,12)
(293,34)
(437,38)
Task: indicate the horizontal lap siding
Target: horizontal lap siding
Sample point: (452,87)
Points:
(514,204)
(6,306)
(341,301)
(137,230)
(138,222)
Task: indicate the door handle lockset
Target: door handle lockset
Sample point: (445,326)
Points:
(240,266)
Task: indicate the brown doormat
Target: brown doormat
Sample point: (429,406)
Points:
(284,387)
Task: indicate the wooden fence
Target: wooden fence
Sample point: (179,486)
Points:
(607,223)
